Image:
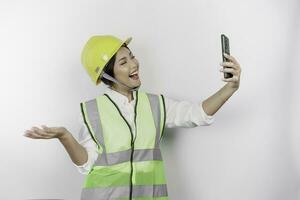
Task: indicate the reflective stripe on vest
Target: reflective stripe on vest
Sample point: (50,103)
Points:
(124,156)
(122,191)
(101,115)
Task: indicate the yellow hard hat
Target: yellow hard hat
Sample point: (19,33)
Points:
(98,51)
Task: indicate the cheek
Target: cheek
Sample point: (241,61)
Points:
(122,72)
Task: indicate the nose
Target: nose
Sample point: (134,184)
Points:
(135,65)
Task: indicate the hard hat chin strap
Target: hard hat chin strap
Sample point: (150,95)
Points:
(107,76)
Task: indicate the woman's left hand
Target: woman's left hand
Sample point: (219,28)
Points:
(234,68)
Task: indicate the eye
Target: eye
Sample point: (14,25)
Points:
(125,62)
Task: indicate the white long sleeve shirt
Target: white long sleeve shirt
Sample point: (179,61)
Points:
(178,114)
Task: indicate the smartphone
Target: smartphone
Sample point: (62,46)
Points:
(225,49)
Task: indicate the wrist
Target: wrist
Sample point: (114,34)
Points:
(231,88)
(64,135)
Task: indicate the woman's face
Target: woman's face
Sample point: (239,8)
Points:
(125,65)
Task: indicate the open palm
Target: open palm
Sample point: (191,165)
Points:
(45,132)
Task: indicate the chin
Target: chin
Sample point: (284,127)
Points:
(135,83)
(139,83)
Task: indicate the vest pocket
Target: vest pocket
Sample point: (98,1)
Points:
(148,173)
(107,176)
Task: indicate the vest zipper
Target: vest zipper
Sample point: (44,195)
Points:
(132,145)
(131,168)
(132,140)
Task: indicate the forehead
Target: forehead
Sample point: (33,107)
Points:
(123,51)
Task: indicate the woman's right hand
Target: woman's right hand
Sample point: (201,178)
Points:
(46,132)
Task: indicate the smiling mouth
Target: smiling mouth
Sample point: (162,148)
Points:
(134,77)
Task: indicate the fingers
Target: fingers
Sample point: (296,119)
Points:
(233,62)
(231,58)
(45,133)
(33,135)
(229,65)
(46,128)
(232,67)
(232,79)
(229,70)
(37,133)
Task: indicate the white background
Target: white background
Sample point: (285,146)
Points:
(249,152)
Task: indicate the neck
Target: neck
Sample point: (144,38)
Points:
(127,93)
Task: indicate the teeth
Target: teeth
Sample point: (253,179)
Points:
(133,73)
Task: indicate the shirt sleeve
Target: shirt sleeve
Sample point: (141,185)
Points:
(85,139)
(185,114)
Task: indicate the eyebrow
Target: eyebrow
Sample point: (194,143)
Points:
(130,53)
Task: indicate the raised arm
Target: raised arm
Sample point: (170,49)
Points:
(212,104)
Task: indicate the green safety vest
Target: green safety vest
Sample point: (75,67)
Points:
(128,167)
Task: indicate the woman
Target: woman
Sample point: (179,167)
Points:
(121,129)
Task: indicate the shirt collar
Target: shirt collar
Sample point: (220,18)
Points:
(119,97)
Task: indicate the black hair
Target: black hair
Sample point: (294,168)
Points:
(109,68)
